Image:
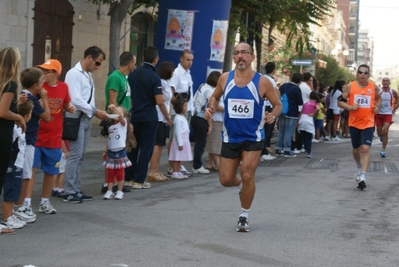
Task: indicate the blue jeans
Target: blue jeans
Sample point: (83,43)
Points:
(285,130)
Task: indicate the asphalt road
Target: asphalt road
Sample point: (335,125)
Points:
(306,212)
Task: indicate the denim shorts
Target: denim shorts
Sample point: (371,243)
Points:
(48,159)
(12,184)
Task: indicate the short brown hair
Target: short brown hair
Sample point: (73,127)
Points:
(25,108)
(165,70)
(30,77)
(213,78)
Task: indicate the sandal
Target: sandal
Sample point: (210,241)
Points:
(5,230)
(141,185)
(156,177)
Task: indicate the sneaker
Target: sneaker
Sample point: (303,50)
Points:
(128,183)
(242,225)
(315,140)
(357,175)
(47,208)
(361,185)
(178,175)
(201,170)
(278,152)
(327,138)
(185,172)
(84,197)
(303,150)
(119,195)
(267,157)
(296,151)
(60,194)
(54,193)
(25,213)
(72,198)
(12,223)
(108,195)
(289,154)
(169,173)
(141,185)
(382,154)
(104,188)
(310,155)
(336,138)
(381,139)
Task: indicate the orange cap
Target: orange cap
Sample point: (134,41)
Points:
(51,64)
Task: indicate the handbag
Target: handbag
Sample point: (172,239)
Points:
(70,129)
(70,126)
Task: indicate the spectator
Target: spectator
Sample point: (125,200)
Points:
(288,122)
(202,127)
(165,72)
(146,89)
(81,90)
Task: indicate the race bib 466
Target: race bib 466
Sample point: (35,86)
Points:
(240,108)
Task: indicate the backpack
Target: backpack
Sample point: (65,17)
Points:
(285,103)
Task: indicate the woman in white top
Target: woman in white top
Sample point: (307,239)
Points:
(165,72)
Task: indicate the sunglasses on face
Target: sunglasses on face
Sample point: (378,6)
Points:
(98,64)
(363,72)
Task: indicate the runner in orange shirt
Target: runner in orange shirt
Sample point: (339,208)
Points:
(363,100)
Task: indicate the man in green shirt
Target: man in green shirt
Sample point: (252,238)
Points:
(117,90)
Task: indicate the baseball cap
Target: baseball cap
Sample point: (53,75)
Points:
(51,64)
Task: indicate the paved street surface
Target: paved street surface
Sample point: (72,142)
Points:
(306,212)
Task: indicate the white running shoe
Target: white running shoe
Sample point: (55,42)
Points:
(108,195)
(296,151)
(119,195)
(12,223)
(201,170)
(25,213)
(267,157)
(47,208)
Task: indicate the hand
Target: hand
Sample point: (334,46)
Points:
(209,131)
(169,122)
(180,148)
(104,155)
(209,113)
(111,106)
(354,106)
(22,98)
(71,108)
(101,114)
(66,154)
(22,124)
(43,93)
(269,118)
(376,110)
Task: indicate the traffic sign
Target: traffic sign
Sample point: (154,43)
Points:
(301,62)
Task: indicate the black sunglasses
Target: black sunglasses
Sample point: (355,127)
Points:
(363,72)
(98,64)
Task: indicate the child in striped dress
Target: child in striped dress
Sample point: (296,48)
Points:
(114,157)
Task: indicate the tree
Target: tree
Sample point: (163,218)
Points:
(332,72)
(288,16)
(118,9)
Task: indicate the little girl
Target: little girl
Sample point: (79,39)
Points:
(115,158)
(306,124)
(180,149)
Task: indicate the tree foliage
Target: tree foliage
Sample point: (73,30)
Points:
(332,72)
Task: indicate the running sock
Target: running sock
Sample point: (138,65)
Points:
(244,213)
(44,200)
(362,176)
(27,201)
